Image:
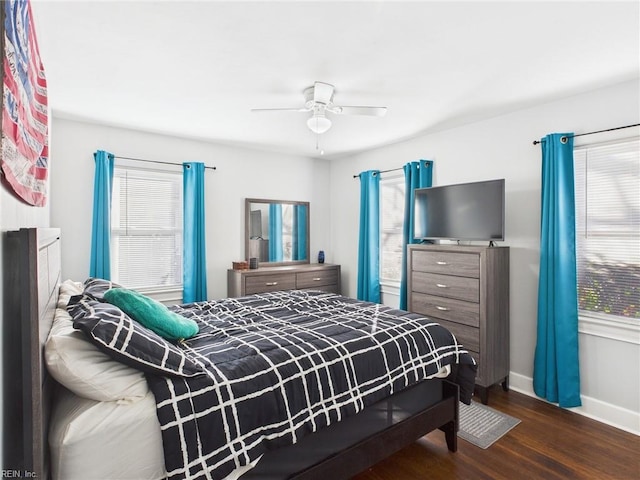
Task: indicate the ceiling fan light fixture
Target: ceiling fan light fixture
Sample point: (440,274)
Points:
(318,123)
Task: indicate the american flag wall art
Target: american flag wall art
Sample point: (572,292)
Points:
(24,155)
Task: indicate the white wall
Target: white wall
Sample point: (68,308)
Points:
(240,173)
(502,147)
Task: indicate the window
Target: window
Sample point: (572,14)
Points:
(391,220)
(607,181)
(146,228)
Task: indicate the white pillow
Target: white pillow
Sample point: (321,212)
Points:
(77,363)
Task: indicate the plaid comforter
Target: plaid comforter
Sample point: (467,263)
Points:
(284,364)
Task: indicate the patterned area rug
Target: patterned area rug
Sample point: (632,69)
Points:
(482,425)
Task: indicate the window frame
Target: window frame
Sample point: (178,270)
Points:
(597,324)
(390,285)
(167,293)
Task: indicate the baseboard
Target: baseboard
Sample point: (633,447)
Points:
(613,415)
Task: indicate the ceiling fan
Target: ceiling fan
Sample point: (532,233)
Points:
(318,99)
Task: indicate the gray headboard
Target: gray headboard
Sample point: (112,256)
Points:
(31,259)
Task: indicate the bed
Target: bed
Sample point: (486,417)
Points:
(97,433)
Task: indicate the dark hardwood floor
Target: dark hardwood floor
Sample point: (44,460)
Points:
(548,443)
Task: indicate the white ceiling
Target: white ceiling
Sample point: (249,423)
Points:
(196,68)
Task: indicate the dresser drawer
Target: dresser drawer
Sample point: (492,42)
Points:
(448,263)
(462,288)
(446,308)
(325,277)
(317,278)
(468,336)
(269,283)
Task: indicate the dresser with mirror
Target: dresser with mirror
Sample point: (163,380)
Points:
(277,237)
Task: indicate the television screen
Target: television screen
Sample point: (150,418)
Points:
(465,211)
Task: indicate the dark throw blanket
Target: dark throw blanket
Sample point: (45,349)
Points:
(281,365)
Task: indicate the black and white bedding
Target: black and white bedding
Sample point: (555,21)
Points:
(267,369)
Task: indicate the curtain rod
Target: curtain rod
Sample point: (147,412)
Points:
(563,139)
(155,161)
(382,171)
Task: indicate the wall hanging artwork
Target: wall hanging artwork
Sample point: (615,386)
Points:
(24,154)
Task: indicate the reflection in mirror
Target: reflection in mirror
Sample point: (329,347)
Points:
(277,231)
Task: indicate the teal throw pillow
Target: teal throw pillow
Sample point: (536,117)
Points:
(152,314)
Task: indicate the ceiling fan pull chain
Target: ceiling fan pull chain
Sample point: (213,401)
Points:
(317,141)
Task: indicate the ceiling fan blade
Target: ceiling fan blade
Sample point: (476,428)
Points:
(280,110)
(353,110)
(322,92)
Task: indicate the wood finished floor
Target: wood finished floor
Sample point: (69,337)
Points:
(549,443)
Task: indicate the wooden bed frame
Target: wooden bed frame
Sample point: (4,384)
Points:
(32,277)
(31,281)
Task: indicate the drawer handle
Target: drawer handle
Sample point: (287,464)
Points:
(442,309)
(317,279)
(442,263)
(271,284)
(441,285)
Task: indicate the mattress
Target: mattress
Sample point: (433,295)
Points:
(92,440)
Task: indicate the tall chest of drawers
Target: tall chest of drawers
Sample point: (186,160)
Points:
(466,289)
(312,276)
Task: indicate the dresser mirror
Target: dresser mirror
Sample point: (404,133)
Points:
(277,231)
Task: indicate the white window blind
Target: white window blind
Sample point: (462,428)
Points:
(391,221)
(146,228)
(607,181)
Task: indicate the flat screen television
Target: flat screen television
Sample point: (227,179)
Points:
(465,211)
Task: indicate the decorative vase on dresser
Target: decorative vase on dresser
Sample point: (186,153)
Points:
(466,290)
(308,276)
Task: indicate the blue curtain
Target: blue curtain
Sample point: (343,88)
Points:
(369,241)
(275,232)
(299,232)
(100,266)
(194,274)
(416,175)
(556,372)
